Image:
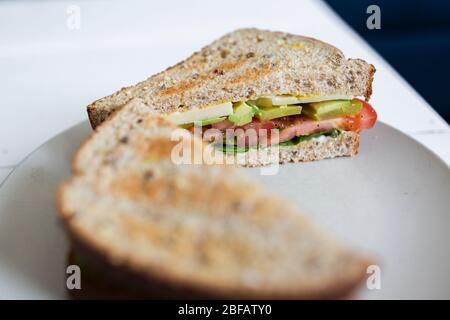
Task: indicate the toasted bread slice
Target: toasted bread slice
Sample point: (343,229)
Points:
(243,65)
(193,230)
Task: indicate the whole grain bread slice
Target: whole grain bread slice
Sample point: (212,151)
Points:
(197,230)
(346,144)
(242,65)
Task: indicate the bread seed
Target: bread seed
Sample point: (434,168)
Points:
(236,206)
(224,53)
(148,175)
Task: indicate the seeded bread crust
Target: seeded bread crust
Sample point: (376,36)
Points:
(243,65)
(143,216)
(346,144)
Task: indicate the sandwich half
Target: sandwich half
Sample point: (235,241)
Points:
(262,89)
(148,227)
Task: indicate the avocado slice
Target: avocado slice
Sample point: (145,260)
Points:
(242,114)
(264,102)
(210,121)
(203,122)
(278,112)
(255,108)
(332,109)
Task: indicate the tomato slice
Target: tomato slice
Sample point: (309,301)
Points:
(302,126)
(298,125)
(258,125)
(225,124)
(364,120)
(350,123)
(368,115)
(262,130)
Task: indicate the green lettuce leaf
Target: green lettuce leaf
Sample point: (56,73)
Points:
(296,140)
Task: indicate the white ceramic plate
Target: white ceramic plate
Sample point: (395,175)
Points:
(391,201)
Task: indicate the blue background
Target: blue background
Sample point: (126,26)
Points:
(414,38)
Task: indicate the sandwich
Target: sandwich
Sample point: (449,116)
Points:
(143,227)
(291,92)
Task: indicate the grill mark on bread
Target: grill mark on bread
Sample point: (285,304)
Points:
(251,74)
(200,79)
(181,87)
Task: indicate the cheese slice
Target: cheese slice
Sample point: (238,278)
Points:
(214,111)
(284,100)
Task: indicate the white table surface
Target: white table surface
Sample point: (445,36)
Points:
(49,73)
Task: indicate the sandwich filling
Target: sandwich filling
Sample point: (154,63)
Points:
(282,120)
